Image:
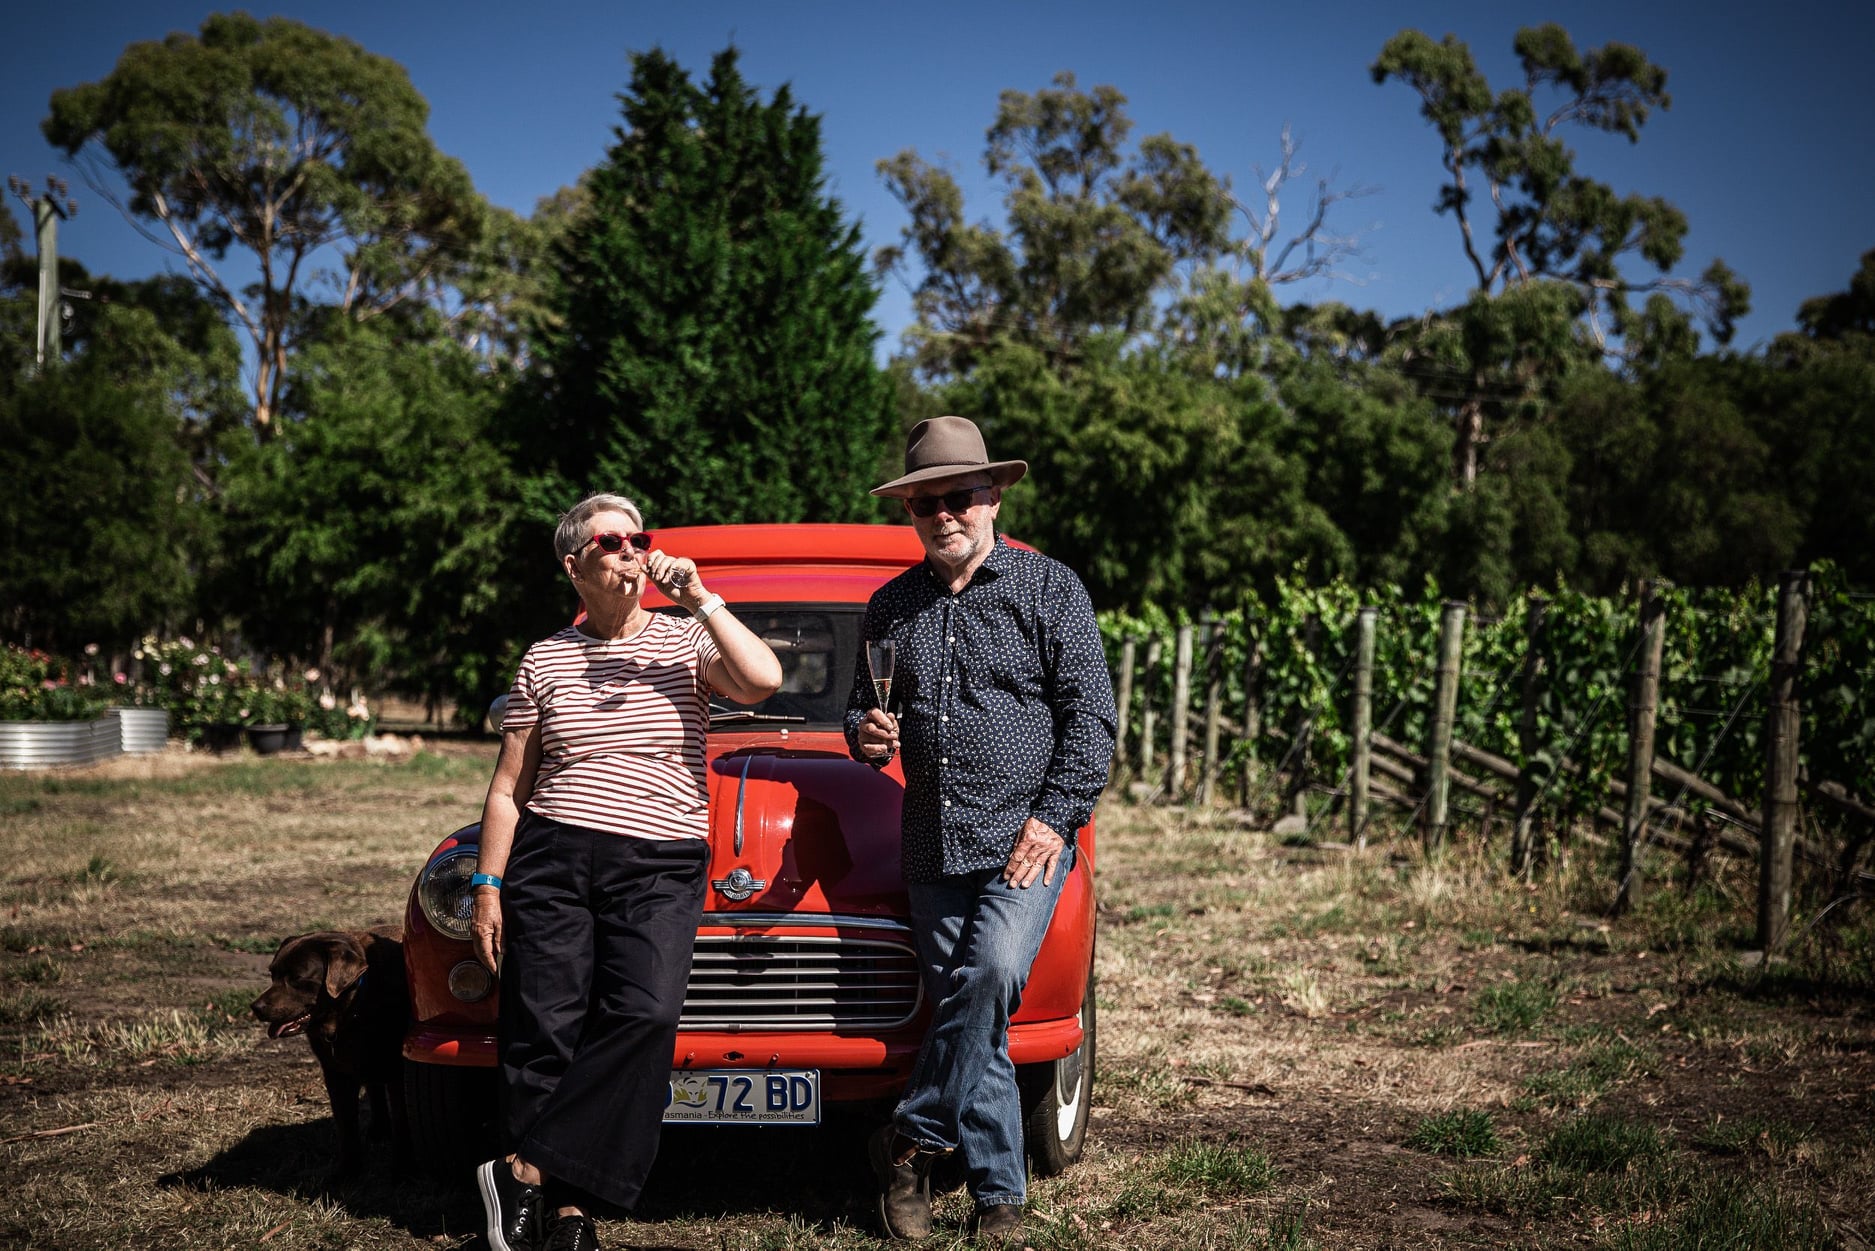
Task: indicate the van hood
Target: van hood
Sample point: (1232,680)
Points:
(794,829)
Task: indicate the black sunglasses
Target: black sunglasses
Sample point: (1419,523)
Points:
(953,501)
(611,542)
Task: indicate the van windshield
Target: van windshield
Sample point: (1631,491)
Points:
(816,646)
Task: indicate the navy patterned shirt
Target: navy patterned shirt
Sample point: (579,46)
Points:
(1004,705)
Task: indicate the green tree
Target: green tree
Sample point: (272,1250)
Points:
(713,355)
(1158,483)
(1513,179)
(366,537)
(508,289)
(1100,237)
(101,530)
(1094,232)
(1550,220)
(1673,476)
(281,142)
(1375,456)
(1818,417)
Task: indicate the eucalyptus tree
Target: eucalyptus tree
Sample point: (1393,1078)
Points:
(1100,236)
(286,145)
(1527,216)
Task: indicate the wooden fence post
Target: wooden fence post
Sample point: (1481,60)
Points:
(1181,713)
(1296,788)
(1147,675)
(1124,699)
(1643,705)
(1783,724)
(1213,706)
(1523,832)
(1252,711)
(1444,712)
(1362,725)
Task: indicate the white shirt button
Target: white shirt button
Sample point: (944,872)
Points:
(947,803)
(944,759)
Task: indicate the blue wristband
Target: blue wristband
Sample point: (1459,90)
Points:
(484,879)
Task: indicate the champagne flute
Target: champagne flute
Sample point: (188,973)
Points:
(881,655)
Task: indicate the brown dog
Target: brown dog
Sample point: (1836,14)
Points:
(344,989)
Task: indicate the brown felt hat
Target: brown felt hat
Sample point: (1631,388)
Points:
(948,447)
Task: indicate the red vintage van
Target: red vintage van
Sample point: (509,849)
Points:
(805,990)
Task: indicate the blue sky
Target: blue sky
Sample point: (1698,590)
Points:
(1766,147)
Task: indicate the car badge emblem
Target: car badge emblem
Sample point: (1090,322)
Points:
(740,884)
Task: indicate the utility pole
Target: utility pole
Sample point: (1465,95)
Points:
(55,205)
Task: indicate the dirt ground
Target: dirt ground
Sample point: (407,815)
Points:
(1299,1046)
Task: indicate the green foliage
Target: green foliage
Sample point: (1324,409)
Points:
(1292,647)
(98,525)
(367,537)
(1773,1139)
(1550,220)
(1094,231)
(335,718)
(276,702)
(35,686)
(713,357)
(198,685)
(1460,1133)
(1598,1066)
(279,141)
(1718,1214)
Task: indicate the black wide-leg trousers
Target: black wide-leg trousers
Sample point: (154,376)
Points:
(598,933)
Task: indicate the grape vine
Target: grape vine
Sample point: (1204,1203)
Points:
(1292,651)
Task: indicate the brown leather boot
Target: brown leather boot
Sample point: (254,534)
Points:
(904,1174)
(999,1225)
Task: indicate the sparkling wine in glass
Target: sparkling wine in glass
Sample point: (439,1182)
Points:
(880,657)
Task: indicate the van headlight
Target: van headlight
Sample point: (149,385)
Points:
(443,892)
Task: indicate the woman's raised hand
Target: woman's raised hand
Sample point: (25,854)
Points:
(676,576)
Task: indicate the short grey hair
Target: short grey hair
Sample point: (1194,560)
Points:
(571,534)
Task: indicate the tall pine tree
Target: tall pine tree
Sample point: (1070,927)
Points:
(714,356)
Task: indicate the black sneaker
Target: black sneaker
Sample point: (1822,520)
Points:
(512,1207)
(572,1233)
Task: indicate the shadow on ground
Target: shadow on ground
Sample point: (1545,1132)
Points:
(296,1161)
(818,1175)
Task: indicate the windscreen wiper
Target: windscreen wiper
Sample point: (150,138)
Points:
(747,714)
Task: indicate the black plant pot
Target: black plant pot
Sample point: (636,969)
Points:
(268,739)
(221,736)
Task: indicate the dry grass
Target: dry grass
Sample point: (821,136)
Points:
(1299,1048)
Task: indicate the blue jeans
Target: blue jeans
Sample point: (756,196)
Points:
(977,936)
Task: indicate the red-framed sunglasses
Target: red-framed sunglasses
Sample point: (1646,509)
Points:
(611,542)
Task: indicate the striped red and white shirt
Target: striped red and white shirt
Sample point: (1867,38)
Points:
(623,724)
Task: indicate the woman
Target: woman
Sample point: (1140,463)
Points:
(593,856)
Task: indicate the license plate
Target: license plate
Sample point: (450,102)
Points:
(744,1097)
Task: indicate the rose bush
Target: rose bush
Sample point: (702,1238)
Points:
(332,717)
(35,686)
(198,685)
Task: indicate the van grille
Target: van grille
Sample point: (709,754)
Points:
(768,982)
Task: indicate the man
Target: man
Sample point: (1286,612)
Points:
(1003,709)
